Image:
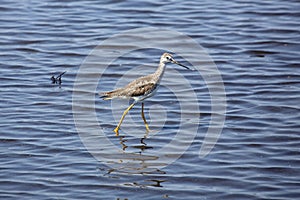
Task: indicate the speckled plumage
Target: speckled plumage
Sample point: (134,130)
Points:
(141,88)
(137,88)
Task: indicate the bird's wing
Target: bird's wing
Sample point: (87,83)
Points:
(142,90)
(140,87)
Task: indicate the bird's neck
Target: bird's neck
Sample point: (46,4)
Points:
(160,70)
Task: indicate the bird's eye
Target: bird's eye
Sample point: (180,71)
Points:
(168,57)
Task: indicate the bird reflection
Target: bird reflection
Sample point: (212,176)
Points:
(134,158)
(156,183)
(142,147)
(146,183)
(122,142)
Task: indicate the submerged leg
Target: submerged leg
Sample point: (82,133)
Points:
(143,116)
(116,130)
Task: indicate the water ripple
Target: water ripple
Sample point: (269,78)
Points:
(255,45)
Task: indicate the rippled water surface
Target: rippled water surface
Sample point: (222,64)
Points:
(254,44)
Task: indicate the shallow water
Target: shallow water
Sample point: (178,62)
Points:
(255,46)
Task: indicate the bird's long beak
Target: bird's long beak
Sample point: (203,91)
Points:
(177,63)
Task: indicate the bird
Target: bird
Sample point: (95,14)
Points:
(141,88)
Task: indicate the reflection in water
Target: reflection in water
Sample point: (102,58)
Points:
(156,183)
(122,142)
(146,183)
(136,164)
(142,147)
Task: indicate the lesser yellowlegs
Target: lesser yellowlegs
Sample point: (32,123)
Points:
(141,88)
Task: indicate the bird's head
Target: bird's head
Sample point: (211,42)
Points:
(168,58)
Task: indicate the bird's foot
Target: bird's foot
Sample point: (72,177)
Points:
(116,130)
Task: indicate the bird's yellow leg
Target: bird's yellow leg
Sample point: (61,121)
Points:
(143,116)
(116,130)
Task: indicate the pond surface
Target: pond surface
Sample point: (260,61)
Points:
(44,155)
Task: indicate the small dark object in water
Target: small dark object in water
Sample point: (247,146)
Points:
(57,80)
(53,79)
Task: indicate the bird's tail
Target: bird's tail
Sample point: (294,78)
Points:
(109,95)
(105,96)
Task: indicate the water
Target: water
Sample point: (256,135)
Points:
(256,47)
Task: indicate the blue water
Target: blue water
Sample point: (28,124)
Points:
(254,44)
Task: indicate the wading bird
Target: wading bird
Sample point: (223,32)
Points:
(141,88)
